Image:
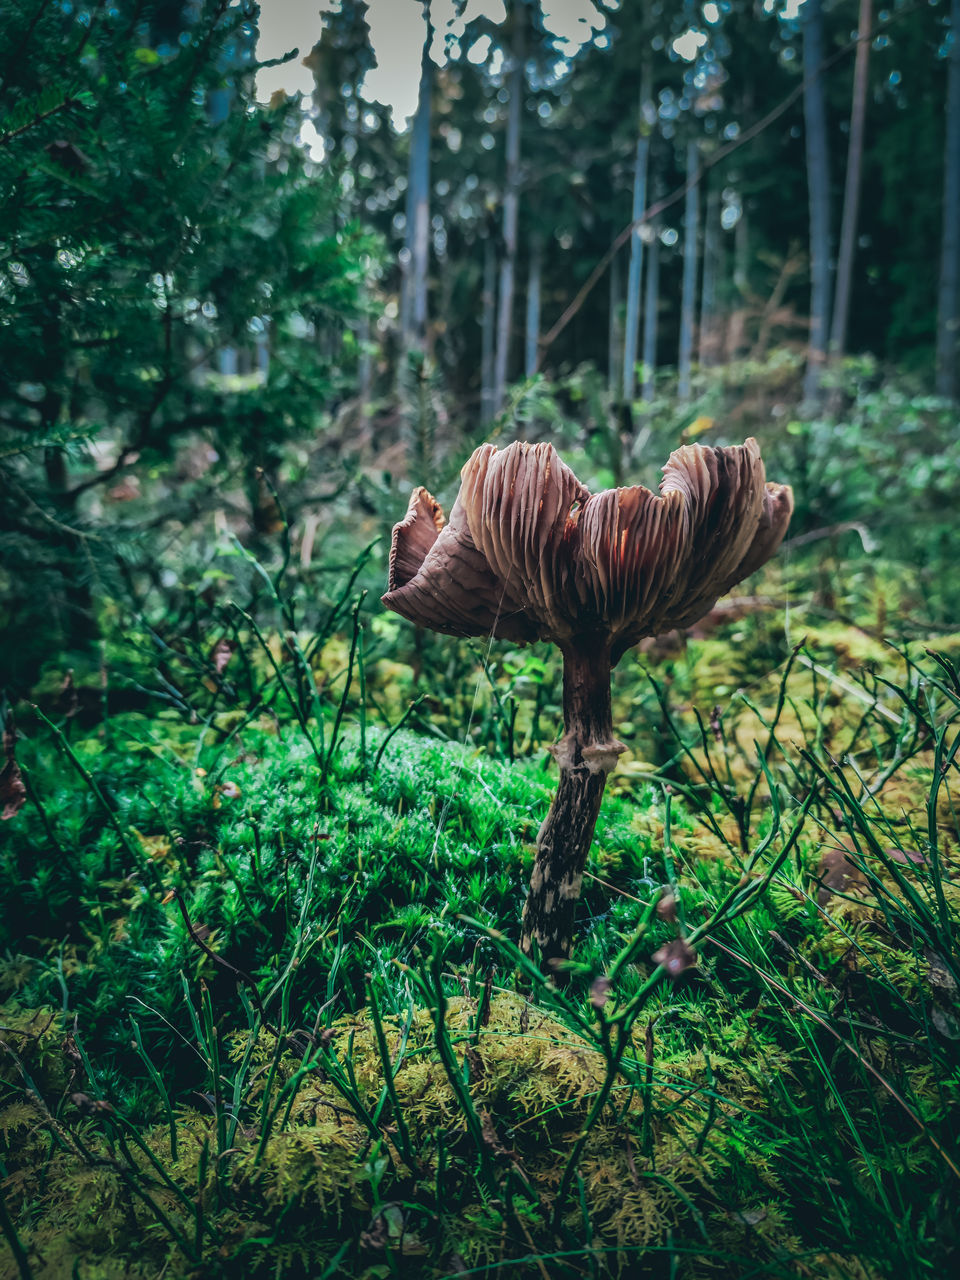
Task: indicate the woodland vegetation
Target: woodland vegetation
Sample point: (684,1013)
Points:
(264,846)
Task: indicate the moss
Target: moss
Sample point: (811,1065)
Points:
(802,1075)
(34,1047)
(529,1075)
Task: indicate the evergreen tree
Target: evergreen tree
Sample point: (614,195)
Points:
(139,237)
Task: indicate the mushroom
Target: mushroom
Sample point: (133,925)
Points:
(529,554)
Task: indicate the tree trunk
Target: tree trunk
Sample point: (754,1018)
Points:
(651,307)
(818,183)
(736,337)
(511,208)
(632,326)
(487,330)
(365,357)
(948,302)
(709,337)
(688,303)
(736,324)
(413,321)
(613,329)
(741,257)
(586,753)
(851,194)
(533,307)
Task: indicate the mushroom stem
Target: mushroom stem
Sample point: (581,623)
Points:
(586,753)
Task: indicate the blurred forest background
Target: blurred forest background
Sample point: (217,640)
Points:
(706,221)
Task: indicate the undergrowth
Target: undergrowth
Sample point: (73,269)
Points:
(265,1012)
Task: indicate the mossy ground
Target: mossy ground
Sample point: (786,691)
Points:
(264,1018)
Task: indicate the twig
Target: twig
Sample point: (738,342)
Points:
(240,973)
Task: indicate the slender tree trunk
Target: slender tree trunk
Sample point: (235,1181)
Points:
(511,208)
(533,307)
(651,308)
(632,325)
(586,753)
(688,303)
(948,302)
(741,256)
(708,289)
(365,360)
(851,194)
(420,245)
(737,321)
(488,330)
(413,324)
(818,182)
(613,329)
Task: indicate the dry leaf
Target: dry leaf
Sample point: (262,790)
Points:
(489,1133)
(939,975)
(89,1106)
(906,856)
(13,794)
(600,991)
(838,874)
(667,907)
(223,651)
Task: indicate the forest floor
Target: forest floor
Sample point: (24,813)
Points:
(266,1016)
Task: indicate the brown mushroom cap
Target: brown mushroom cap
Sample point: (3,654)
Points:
(438,578)
(530,554)
(413,537)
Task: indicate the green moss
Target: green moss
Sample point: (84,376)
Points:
(780,1108)
(531,1079)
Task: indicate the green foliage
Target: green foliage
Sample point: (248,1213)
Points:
(874,475)
(268,1015)
(166,250)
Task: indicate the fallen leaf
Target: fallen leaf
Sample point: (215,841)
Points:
(906,855)
(838,874)
(385,1228)
(223,651)
(939,975)
(667,907)
(946,1022)
(89,1106)
(697,427)
(490,1136)
(13,794)
(750,1217)
(600,991)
